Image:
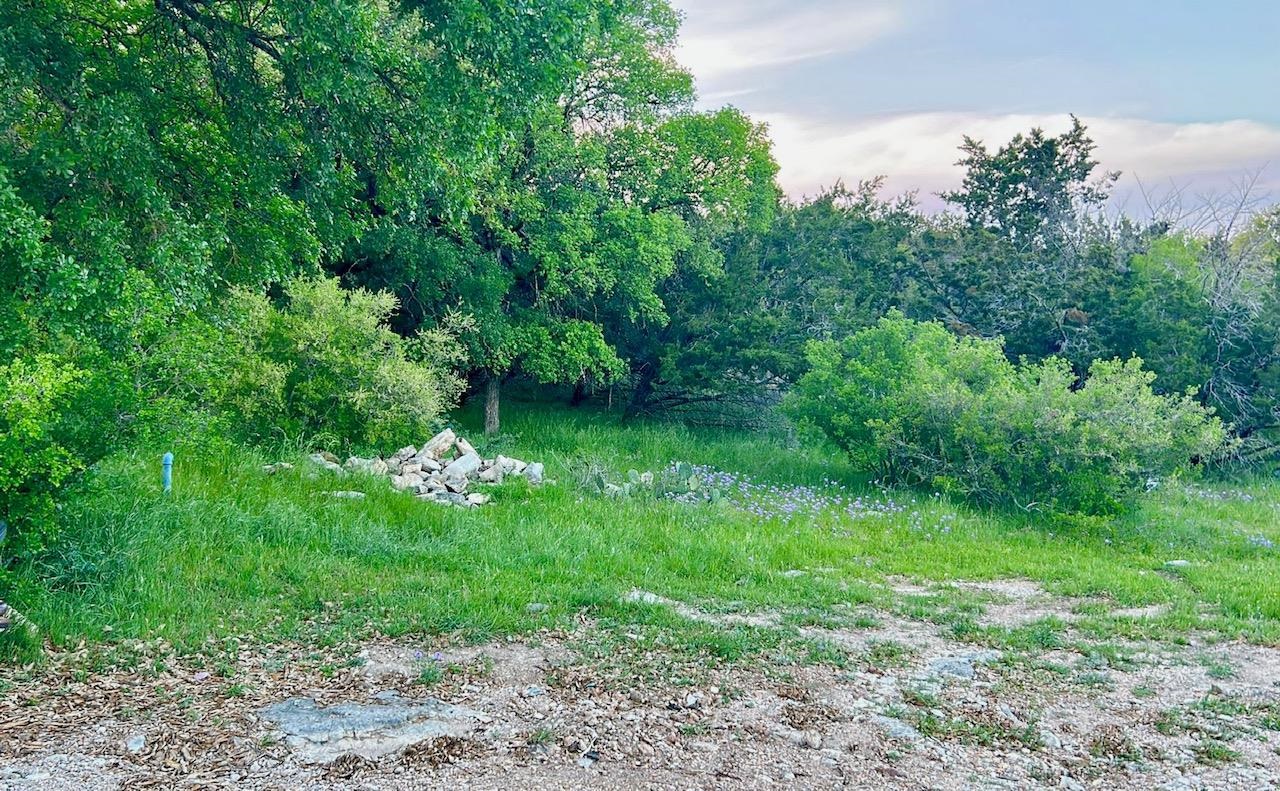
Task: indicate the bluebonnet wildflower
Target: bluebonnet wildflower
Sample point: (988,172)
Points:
(781,502)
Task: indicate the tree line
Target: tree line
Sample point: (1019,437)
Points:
(533,185)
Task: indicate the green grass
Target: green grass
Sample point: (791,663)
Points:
(234,552)
(1213,752)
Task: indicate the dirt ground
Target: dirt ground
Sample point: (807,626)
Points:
(918,710)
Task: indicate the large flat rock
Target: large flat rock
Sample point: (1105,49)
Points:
(320,734)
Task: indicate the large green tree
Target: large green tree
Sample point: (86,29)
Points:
(168,148)
(609,186)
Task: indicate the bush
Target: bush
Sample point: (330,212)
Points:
(325,363)
(33,462)
(918,405)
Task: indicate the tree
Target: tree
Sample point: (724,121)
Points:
(821,269)
(1032,190)
(1030,256)
(610,184)
(172,148)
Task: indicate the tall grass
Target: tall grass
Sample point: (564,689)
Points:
(231,551)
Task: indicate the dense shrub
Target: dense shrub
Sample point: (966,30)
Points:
(324,363)
(918,405)
(33,462)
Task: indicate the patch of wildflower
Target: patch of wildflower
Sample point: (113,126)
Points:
(779,501)
(1219,495)
(932,527)
(1261,542)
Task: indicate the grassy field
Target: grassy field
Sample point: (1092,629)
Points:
(232,551)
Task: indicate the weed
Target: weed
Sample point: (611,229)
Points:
(1218,667)
(883,654)
(1213,752)
(825,652)
(921,698)
(430,674)
(1221,704)
(1095,679)
(541,737)
(1171,722)
(1105,655)
(1111,742)
(982,727)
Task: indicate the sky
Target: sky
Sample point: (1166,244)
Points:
(1178,94)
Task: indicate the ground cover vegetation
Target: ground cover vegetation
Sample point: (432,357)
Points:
(247,231)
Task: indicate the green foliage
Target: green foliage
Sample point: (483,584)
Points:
(172,147)
(1162,315)
(824,268)
(916,404)
(611,187)
(1204,311)
(34,392)
(1032,188)
(324,363)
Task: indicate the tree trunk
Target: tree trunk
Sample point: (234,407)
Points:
(579,393)
(492,394)
(640,396)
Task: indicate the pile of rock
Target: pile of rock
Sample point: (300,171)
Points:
(12,619)
(441,471)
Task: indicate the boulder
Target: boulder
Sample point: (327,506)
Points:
(440,471)
(318,734)
(272,469)
(896,729)
(365,466)
(404,453)
(451,498)
(962,665)
(427,463)
(463,467)
(438,445)
(404,482)
(510,465)
(320,460)
(533,473)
